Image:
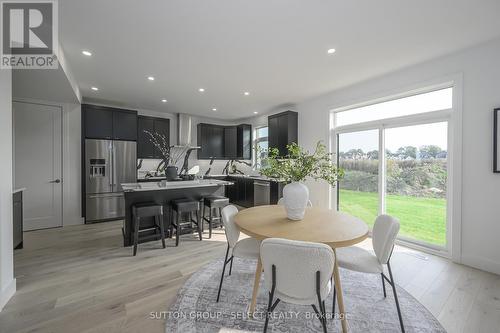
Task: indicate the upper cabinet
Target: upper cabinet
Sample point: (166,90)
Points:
(224,142)
(283,130)
(145,149)
(101,122)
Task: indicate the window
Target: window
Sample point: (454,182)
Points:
(396,161)
(421,103)
(261,145)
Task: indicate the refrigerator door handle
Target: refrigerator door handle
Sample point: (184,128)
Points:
(114,168)
(110,159)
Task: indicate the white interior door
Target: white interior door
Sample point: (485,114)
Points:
(38,164)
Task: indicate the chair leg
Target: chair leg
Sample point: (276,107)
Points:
(203,218)
(199,223)
(393,284)
(321,304)
(383,284)
(231,266)
(162,229)
(171,224)
(223,271)
(177,228)
(210,223)
(334,300)
(136,233)
(271,296)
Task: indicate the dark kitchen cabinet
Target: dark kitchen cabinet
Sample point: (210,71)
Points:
(283,130)
(241,193)
(216,142)
(98,122)
(230,142)
(225,142)
(125,125)
(102,122)
(211,141)
(162,126)
(145,149)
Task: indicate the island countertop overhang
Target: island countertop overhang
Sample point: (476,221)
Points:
(174,185)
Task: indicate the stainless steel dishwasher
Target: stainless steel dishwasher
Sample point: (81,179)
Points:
(261,193)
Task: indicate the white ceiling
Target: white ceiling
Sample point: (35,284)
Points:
(275,49)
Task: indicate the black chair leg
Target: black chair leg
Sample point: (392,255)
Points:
(177,228)
(171,224)
(162,229)
(231,266)
(223,271)
(270,306)
(334,300)
(203,218)
(220,218)
(393,284)
(199,223)
(136,233)
(383,284)
(210,223)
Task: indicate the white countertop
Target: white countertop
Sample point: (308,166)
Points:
(18,190)
(162,186)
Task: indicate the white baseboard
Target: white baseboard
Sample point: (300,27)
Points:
(481,263)
(7,293)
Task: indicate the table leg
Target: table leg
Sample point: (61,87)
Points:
(258,271)
(340,298)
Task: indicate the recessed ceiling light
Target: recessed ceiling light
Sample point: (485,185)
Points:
(201,90)
(151,78)
(214,109)
(331,51)
(246,93)
(164,100)
(87,53)
(255,112)
(94,88)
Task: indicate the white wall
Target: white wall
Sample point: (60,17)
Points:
(7,281)
(480,67)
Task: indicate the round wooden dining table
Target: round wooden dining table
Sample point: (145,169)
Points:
(319,225)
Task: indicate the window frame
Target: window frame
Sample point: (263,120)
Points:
(453,117)
(256,141)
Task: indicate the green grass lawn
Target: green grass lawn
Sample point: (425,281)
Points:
(423,219)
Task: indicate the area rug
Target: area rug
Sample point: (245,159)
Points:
(196,309)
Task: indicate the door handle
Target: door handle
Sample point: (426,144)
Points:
(57,181)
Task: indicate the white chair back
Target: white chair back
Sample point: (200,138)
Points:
(385,231)
(296,266)
(281,202)
(231,229)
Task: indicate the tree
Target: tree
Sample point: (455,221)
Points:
(430,151)
(372,155)
(407,152)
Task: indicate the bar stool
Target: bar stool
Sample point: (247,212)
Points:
(214,202)
(148,209)
(181,206)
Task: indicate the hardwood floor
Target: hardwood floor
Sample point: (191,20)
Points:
(81,279)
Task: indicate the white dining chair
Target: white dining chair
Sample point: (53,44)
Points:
(298,273)
(247,248)
(281,202)
(354,258)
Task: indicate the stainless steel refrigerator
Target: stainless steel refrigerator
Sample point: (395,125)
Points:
(108,164)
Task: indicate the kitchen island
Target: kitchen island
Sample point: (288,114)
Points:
(163,193)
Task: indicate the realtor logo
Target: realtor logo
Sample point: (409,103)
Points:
(29,34)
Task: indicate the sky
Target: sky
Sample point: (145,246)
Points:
(418,135)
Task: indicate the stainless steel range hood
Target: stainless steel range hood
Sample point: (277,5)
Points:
(184,130)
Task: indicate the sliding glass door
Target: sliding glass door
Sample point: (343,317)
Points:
(398,165)
(416,176)
(358,155)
